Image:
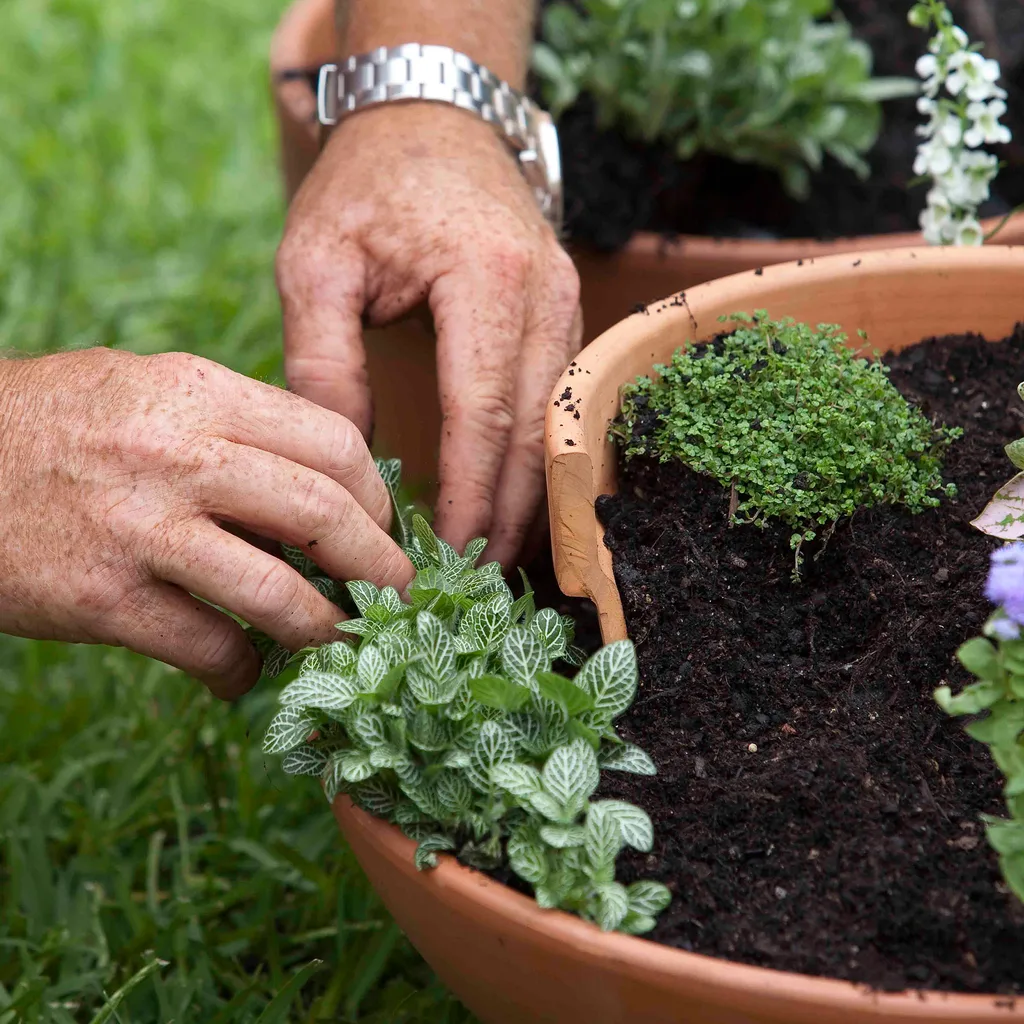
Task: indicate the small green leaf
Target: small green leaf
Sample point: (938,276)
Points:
(426,537)
(564,692)
(649,898)
(562,836)
(981,659)
(495,692)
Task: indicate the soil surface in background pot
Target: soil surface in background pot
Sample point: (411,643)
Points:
(848,844)
(615,187)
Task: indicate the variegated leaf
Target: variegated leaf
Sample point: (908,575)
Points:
(1003,516)
(627,758)
(527,856)
(376,797)
(610,677)
(368,727)
(523,655)
(612,906)
(289,728)
(493,747)
(321,690)
(571,774)
(634,824)
(355,766)
(648,898)
(305,760)
(371,668)
(603,841)
(429,847)
(474,549)
(562,837)
(337,657)
(547,625)
(363,594)
(521,780)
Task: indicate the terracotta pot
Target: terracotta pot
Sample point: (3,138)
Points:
(506,959)
(898,296)
(401,359)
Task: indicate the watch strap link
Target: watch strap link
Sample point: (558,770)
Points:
(440,74)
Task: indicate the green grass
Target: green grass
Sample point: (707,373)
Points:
(154,866)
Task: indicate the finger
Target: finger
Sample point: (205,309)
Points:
(295,505)
(260,589)
(479,315)
(163,622)
(266,417)
(552,339)
(323,294)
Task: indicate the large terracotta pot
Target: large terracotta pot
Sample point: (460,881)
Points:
(401,365)
(511,962)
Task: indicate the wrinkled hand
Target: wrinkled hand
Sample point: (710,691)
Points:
(116,472)
(422,200)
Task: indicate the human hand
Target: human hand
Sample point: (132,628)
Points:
(424,201)
(116,472)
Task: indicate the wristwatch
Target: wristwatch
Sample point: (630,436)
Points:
(441,75)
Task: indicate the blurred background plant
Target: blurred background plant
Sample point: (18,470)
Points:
(145,840)
(775,84)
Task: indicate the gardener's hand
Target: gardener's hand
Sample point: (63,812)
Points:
(116,472)
(422,200)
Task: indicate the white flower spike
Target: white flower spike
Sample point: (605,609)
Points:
(963,103)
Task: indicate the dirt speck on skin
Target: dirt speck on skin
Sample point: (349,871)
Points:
(863,799)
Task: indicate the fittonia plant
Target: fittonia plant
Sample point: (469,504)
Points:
(963,103)
(444,715)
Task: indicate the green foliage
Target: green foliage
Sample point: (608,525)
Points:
(765,83)
(444,715)
(804,430)
(998,697)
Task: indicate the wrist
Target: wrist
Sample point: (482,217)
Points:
(494,33)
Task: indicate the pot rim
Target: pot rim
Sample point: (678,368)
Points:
(488,899)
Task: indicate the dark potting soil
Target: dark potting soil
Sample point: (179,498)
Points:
(615,186)
(848,844)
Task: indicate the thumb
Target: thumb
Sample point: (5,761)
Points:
(322,298)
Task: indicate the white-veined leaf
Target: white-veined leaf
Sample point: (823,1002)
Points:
(637,924)
(562,837)
(359,627)
(634,824)
(523,655)
(371,668)
(428,848)
(275,661)
(454,792)
(612,905)
(426,537)
(487,622)
(437,649)
(521,780)
(571,774)
(493,747)
(423,687)
(389,599)
(527,857)
(431,733)
(305,760)
(385,756)
(337,657)
(377,797)
(547,625)
(474,549)
(610,677)
(603,840)
(648,898)
(289,728)
(363,594)
(368,727)
(321,690)
(456,759)
(627,758)
(547,805)
(355,766)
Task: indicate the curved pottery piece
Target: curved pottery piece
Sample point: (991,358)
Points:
(511,962)
(400,358)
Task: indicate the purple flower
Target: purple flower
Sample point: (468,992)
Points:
(1003,629)
(1005,585)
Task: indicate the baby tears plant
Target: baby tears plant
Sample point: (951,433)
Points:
(996,660)
(763,83)
(963,103)
(445,715)
(801,429)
